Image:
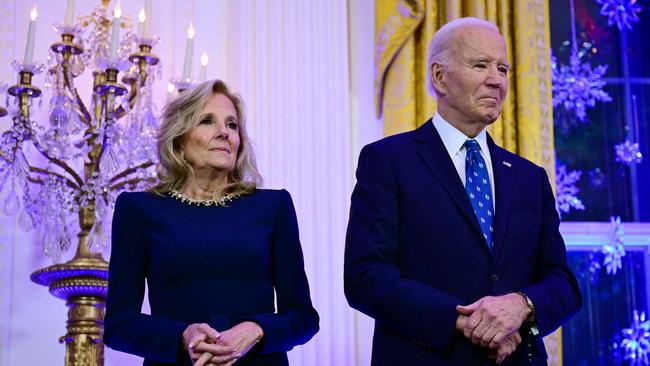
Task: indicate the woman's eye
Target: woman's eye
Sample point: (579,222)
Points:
(232,125)
(207,121)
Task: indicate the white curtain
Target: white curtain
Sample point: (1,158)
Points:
(304,69)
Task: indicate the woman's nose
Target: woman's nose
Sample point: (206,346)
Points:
(221,131)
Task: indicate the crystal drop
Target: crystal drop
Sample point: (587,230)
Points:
(74,125)
(100,207)
(59,116)
(64,240)
(108,162)
(150,120)
(21,166)
(50,248)
(25,221)
(11,203)
(96,238)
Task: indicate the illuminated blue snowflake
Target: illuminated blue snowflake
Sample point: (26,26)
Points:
(636,340)
(566,190)
(621,12)
(614,250)
(628,152)
(577,86)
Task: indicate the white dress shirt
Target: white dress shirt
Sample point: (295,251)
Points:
(454,142)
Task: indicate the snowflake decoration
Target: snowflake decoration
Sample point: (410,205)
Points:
(621,12)
(614,251)
(566,190)
(577,86)
(636,340)
(628,152)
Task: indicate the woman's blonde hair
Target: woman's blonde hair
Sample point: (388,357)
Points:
(180,115)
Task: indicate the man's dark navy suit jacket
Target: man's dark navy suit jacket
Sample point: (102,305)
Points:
(414,250)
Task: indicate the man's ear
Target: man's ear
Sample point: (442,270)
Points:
(438,81)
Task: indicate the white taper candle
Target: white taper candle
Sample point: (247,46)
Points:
(31,34)
(189,53)
(115,34)
(69,13)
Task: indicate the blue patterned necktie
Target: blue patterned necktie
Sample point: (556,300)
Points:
(477,185)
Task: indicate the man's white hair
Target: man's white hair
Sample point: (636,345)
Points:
(441,47)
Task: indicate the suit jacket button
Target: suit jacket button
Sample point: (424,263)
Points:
(494,277)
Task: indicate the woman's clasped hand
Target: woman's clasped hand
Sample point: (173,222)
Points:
(208,347)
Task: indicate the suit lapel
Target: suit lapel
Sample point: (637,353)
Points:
(435,156)
(503,169)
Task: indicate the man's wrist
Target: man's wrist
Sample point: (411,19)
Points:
(460,322)
(529,311)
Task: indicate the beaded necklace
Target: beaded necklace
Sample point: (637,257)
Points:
(221,201)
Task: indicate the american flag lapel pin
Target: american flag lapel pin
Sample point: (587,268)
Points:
(507,164)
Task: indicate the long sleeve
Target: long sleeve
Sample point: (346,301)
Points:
(126,328)
(555,293)
(373,284)
(296,321)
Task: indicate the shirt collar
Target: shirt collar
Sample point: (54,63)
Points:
(453,139)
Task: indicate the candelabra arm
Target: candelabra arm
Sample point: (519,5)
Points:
(121,111)
(24,91)
(35,180)
(142,59)
(67,180)
(61,164)
(98,99)
(41,182)
(129,171)
(4,156)
(131,181)
(83,113)
(24,105)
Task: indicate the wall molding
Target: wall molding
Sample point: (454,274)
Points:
(592,235)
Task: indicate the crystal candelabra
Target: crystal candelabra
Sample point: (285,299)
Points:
(79,161)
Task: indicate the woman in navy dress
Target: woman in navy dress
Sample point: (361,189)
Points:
(221,257)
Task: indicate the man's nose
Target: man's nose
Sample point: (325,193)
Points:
(494,77)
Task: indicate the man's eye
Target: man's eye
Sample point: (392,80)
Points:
(480,66)
(503,70)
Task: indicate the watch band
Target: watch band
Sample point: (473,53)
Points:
(531,306)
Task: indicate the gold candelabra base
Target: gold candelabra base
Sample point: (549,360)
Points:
(83,283)
(83,340)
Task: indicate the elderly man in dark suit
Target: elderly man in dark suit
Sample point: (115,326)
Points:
(453,243)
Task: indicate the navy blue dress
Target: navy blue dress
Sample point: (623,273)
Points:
(214,265)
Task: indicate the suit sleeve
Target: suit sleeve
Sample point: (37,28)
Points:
(296,320)
(126,328)
(555,292)
(373,284)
